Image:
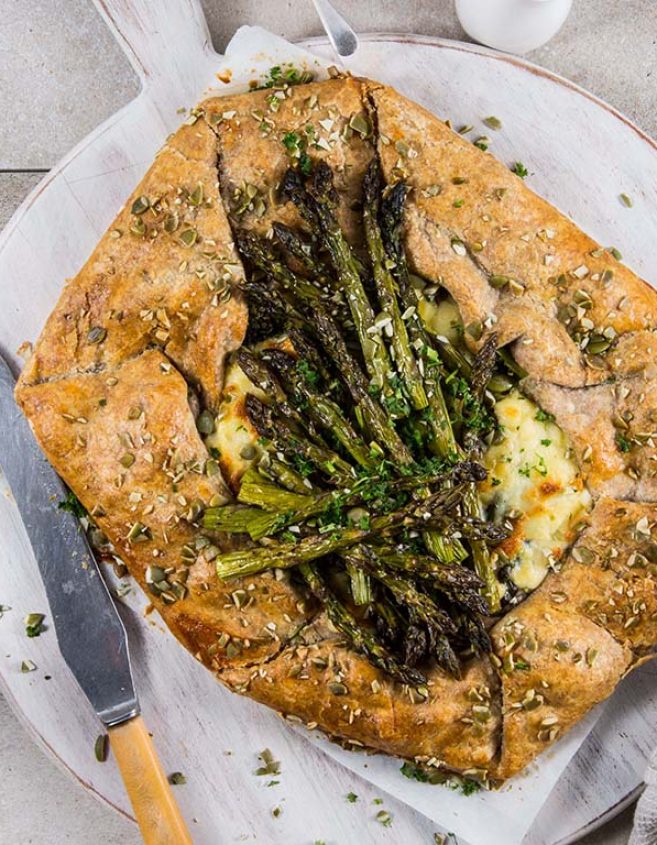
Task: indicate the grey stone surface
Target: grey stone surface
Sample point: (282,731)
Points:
(61,74)
(41,804)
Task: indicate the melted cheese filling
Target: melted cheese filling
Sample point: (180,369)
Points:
(534,481)
(441,318)
(234,438)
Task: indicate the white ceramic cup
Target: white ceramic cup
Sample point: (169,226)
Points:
(515,26)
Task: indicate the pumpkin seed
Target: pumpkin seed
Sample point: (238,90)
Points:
(155,574)
(171,222)
(138,227)
(597,345)
(359,123)
(139,533)
(211,467)
(97,334)
(140,205)
(196,197)
(499,384)
(475,329)
(205,422)
(189,237)
(101,748)
(493,122)
(497,281)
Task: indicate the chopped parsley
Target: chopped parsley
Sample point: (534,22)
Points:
(396,401)
(623,444)
(296,146)
(546,442)
(351,797)
(73,505)
(302,465)
(540,467)
(310,375)
(413,772)
(364,523)
(305,164)
(292,142)
(520,170)
(544,416)
(279,76)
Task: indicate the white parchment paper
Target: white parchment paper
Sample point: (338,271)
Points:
(502,817)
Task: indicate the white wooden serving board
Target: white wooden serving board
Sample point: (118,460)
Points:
(581,155)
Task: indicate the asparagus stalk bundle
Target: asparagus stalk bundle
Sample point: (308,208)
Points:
(392,216)
(369,429)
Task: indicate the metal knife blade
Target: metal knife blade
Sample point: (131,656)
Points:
(90,633)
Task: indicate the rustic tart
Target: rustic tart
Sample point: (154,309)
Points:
(371,422)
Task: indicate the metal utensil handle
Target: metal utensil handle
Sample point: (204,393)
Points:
(342,37)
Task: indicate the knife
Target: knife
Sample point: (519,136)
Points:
(89,630)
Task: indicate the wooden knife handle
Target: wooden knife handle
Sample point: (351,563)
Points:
(155,807)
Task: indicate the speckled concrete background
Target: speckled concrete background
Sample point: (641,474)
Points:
(61,74)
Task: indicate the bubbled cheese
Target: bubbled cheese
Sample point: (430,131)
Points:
(534,480)
(441,318)
(234,438)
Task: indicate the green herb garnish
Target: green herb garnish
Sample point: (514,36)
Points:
(73,505)
(34,624)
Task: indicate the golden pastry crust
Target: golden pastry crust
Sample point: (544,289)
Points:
(158,306)
(158,277)
(470,218)
(317,678)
